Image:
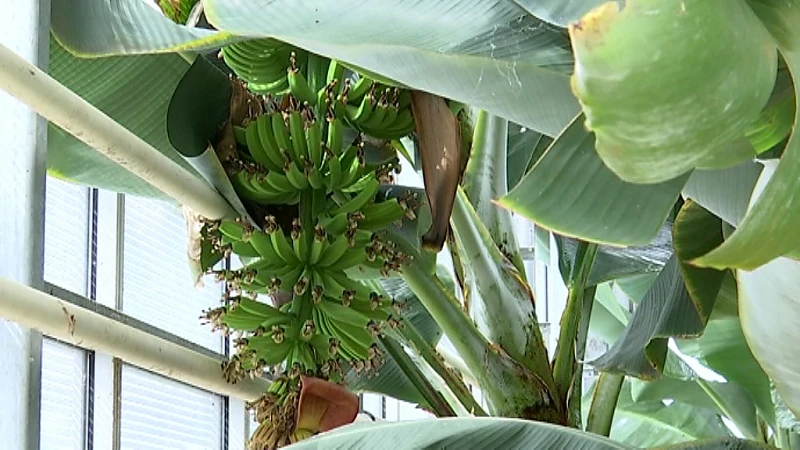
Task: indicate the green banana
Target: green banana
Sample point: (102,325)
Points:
(362,112)
(380,215)
(314,143)
(352,257)
(244,249)
(239,135)
(335,71)
(279,242)
(335,139)
(324,346)
(298,86)
(298,136)
(362,85)
(280,132)
(334,167)
(318,245)
(235,230)
(268,350)
(354,204)
(267,138)
(315,179)
(279,182)
(296,177)
(334,251)
(375,118)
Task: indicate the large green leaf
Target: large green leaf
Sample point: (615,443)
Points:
(661,104)
(769,308)
(646,424)
(612,263)
(456,433)
(559,12)
(727,399)
(571,192)
(723,349)
(678,303)
(724,192)
(745,248)
(525,147)
(666,310)
(484,53)
(113,27)
(135,91)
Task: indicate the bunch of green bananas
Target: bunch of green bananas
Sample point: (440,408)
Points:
(263,64)
(296,152)
(273,67)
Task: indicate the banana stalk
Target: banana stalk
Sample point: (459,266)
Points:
(512,389)
(501,302)
(485,180)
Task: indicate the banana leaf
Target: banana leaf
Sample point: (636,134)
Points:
(465,49)
(525,147)
(614,263)
(462,432)
(646,424)
(135,91)
(471,432)
(769,308)
(571,192)
(745,248)
(559,12)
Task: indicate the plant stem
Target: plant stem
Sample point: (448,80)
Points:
(604,402)
(447,312)
(565,362)
(434,398)
(513,390)
(576,392)
(455,383)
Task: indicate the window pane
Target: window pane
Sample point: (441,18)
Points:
(162,414)
(66,235)
(157,282)
(63,393)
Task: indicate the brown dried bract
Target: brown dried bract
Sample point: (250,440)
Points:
(439,146)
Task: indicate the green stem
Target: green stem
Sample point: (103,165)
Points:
(447,312)
(453,381)
(576,392)
(604,402)
(435,400)
(513,390)
(794,441)
(485,178)
(564,367)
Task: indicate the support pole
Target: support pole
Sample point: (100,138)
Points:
(69,111)
(25,29)
(94,331)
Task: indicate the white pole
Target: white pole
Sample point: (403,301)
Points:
(93,331)
(69,111)
(26,26)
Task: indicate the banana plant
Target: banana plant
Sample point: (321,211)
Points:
(641,125)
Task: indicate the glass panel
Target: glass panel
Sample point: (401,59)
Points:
(63,394)
(162,414)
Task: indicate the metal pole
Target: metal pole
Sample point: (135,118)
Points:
(23,150)
(91,330)
(69,111)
